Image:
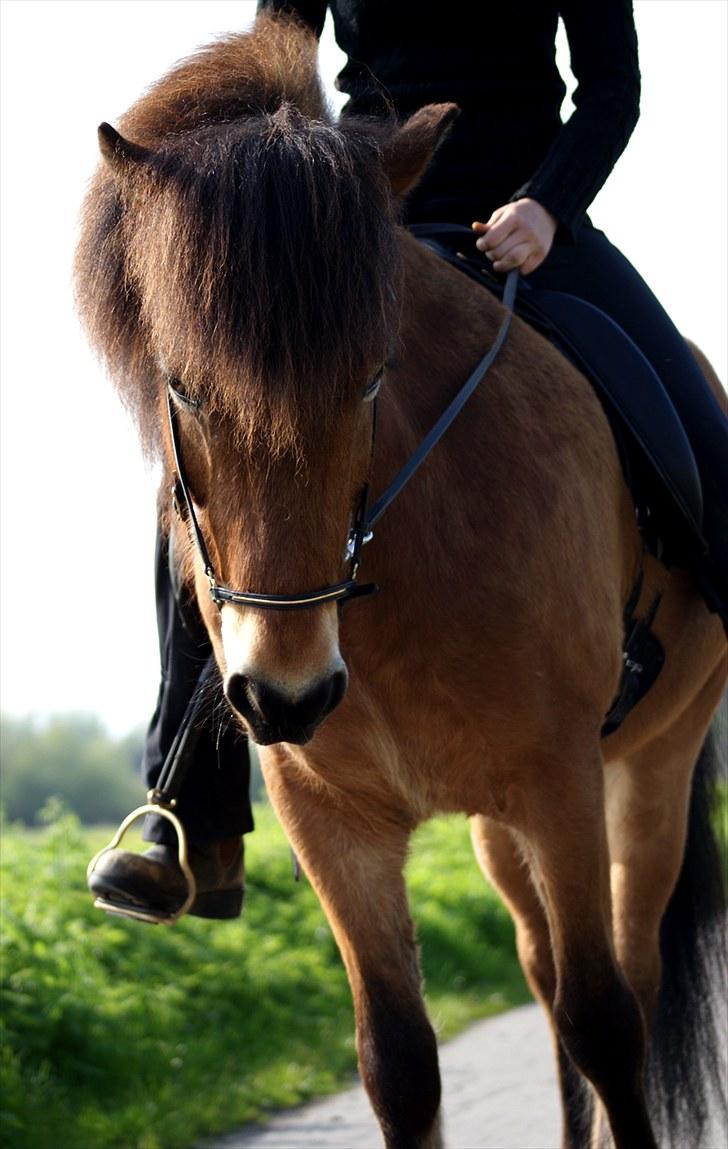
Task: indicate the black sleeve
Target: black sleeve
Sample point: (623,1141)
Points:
(603,45)
(312,12)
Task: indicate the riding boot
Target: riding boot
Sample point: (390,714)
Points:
(154,882)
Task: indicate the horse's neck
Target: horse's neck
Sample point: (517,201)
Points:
(531,446)
(448,323)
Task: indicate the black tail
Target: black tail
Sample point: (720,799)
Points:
(686,1067)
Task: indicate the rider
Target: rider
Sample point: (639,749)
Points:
(527,180)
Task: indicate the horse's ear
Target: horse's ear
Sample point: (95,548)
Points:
(409,150)
(120,152)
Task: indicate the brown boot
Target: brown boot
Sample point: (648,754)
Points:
(154,882)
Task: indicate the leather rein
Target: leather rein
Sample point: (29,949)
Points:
(365,517)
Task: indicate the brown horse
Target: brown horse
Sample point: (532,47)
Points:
(241,253)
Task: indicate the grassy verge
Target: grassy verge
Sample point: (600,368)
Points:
(118,1035)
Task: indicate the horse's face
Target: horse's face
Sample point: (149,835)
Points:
(254,267)
(277,525)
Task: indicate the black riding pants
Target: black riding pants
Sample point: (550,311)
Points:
(214,802)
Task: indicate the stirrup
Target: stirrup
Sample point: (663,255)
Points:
(126,909)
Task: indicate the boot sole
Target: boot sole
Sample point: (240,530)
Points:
(215,904)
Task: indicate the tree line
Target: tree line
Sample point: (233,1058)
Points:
(73,758)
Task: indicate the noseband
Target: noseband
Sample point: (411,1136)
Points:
(365,518)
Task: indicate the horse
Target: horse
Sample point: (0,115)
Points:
(243,271)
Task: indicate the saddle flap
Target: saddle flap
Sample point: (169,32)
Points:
(627,383)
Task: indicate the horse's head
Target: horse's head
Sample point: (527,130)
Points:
(248,267)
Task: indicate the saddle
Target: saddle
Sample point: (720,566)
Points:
(656,456)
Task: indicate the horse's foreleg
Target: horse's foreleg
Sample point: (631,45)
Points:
(354,858)
(502,862)
(562,819)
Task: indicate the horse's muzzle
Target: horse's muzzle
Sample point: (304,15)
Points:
(272,715)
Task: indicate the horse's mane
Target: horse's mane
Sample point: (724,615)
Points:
(251,250)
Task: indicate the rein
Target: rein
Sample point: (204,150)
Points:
(365,518)
(449,414)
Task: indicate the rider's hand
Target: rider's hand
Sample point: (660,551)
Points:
(518,235)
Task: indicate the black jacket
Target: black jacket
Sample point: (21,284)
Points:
(496,59)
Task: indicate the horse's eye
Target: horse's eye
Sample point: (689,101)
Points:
(179,393)
(373,388)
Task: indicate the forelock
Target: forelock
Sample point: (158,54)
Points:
(265,260)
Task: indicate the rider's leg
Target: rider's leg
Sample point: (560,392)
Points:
(214,803)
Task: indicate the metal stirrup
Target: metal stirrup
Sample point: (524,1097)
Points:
(161,800)
(126,909)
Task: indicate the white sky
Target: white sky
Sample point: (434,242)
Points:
(78,626)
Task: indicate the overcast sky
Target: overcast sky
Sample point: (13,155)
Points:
(78,629)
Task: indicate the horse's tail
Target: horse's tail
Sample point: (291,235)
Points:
(686,1066)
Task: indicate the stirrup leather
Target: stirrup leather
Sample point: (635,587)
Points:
(127,909)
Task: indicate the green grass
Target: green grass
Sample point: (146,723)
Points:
(118,1034)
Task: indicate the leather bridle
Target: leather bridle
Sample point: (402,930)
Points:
(365,517)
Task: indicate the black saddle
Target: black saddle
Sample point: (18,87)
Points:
(657,458)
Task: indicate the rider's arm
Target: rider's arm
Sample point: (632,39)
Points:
(603,45)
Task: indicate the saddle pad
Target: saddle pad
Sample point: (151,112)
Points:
(627,382)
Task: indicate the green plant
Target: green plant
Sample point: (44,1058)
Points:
(119,1035)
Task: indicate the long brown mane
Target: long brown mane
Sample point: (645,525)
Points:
(251,242)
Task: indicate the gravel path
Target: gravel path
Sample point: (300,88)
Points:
(499,1092)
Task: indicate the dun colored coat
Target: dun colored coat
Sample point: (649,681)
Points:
(242,249)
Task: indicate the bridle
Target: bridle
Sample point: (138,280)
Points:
(221,594)
(365,517)
(162,799)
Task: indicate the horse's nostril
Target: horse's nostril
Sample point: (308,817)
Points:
(237,693)
(284,716)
